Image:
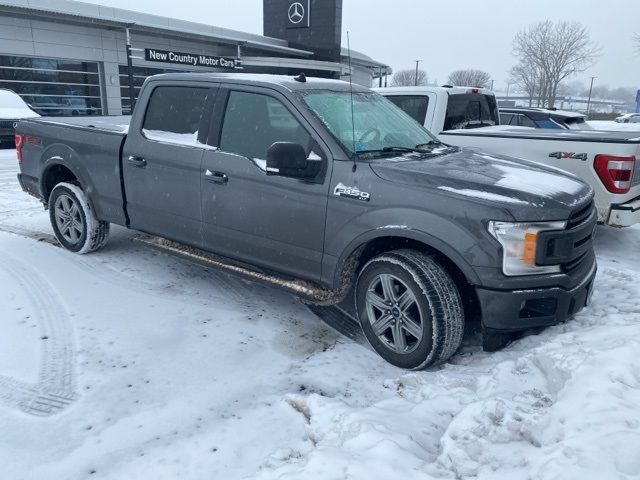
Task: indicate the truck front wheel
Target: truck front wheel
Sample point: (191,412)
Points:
(74,222)
(410,309)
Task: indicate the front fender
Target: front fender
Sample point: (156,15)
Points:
(462,240)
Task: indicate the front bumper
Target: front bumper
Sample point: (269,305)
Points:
(625,215)
(517,310)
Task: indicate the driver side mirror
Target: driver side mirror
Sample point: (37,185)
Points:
(287,159)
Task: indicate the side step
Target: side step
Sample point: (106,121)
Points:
(309,292)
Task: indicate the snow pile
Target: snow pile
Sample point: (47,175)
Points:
(563,404)
(177,371)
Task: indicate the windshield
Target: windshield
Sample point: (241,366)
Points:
(471,110)
(377,124)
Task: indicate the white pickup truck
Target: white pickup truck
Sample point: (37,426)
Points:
(608,161)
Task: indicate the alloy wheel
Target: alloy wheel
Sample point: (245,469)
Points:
(69,219)
(394,314)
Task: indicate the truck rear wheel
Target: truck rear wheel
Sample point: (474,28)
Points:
(74,222)
(410,309)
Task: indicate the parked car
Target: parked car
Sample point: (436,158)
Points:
(44,105)
(605,160)
(12,109)
(628,118)
(269,176)
(543,118)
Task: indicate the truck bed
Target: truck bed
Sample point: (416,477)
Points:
(91,145)
(503,131)
(113,123)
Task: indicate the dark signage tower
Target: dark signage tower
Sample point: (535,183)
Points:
(314,25)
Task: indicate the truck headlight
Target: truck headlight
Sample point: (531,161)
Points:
(519,246)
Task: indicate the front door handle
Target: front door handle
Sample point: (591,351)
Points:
(138,162)
(216,177)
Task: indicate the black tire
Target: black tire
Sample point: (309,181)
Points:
(87,233)
(433,297)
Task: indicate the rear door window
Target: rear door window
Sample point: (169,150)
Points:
(547,123)
(471,110)
(526,121)
(508,119)
(174,114)
(415,105)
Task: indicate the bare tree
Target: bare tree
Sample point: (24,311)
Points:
(526,76)
(555,51)
(407,78)
(469,78)
(636,42)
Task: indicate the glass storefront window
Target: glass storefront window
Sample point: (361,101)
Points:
(139,76)
(53,86)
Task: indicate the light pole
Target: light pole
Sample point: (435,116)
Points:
(508,86)
(590,90)
(417,63)
(492,84)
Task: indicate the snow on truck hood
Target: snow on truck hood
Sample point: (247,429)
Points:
(497,179)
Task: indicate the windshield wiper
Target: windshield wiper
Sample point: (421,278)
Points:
(389,150)
(430,143)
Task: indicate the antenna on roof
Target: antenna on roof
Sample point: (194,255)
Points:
(302,78)
(353,123)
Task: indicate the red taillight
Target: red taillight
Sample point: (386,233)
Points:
(19,142)
(615,172)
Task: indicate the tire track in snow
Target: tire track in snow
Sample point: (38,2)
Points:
(226,285)
(55,389)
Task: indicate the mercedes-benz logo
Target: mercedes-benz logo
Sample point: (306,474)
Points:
(296,12)
(15,125)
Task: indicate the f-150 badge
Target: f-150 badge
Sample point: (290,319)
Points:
(351,192)
(577,156)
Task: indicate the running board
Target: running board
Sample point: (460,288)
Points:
(308,292)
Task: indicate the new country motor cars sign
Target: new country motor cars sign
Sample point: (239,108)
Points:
(193,59)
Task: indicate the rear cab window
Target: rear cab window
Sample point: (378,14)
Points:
(415,105)
(471,110)
(174,114)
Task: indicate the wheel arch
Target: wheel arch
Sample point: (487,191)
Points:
(61,165)
(369,245)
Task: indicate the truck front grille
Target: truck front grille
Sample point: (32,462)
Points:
(570,247)
(4,124)
(580,216)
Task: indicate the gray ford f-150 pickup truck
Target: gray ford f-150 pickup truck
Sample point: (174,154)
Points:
(315,181)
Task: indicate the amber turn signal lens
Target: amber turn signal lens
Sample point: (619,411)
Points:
(529,253)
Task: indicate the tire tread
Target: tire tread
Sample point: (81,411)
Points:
(441,294)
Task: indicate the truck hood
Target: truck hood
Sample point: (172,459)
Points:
(530,191)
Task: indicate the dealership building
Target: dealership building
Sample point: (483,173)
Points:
(72,58)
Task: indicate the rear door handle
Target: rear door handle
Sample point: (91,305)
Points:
(137,161)
(216,177)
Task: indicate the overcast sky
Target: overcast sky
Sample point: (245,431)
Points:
(445,35)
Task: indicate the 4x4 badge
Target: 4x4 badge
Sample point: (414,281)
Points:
(351,192)
(578,156)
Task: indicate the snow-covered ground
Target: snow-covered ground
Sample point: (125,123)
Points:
(129,364)
(614,126)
